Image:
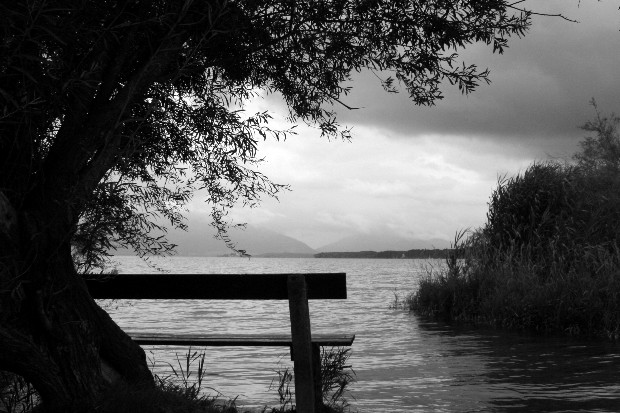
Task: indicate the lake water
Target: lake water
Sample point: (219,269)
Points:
(402,363)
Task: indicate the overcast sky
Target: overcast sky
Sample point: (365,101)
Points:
(428,172)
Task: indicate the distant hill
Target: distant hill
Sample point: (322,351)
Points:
(261,242)
(415,253)
(199,241)
(382,242)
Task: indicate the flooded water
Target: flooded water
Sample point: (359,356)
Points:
(402,363)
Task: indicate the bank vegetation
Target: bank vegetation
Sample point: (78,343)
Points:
(547,260)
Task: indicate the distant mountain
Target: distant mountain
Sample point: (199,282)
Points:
(382,242)
(392,254)
(199,241)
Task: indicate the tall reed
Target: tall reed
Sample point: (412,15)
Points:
(547,259)
(337,375)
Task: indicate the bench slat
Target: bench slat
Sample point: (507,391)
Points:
(214,286)
(214,340)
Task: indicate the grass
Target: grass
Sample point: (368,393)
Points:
(336,377)
(183,389)
(283,387)
(167,397)
(509,294)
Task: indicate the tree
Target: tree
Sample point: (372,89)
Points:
(600,153)
(114,112)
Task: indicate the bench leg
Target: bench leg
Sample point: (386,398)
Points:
(316,373)
(316,376)
(302,344)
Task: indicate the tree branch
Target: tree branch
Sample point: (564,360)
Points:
(534,13)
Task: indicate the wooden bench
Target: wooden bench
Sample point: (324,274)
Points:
(296,288)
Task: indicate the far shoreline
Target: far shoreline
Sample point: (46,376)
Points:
(435,253)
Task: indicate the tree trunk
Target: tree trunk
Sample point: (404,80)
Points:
(51,331)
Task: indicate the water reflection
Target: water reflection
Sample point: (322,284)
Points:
(507,372)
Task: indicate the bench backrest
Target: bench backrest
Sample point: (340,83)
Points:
(215,286)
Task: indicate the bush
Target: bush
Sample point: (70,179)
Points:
(547,259)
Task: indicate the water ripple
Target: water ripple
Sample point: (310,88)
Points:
(403,363)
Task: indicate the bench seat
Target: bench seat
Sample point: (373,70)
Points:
(219,340)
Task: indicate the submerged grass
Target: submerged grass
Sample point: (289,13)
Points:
(509,293)
(183,390)
(337,375)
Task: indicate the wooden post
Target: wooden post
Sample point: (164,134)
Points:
(316,372)
(302,343)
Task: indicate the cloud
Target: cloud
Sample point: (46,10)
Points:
(428,172)
(540,87)
(428,187)
(378,188)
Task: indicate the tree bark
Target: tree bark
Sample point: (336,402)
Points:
(51,331)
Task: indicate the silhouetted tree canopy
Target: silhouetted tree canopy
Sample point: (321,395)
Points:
(125,108)
(113,113)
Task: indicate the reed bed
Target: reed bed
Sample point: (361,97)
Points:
(546,261)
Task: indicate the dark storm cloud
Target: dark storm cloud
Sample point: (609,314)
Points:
(540,90)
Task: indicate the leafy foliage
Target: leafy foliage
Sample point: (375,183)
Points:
(600,153)
(121,110)
(16,394)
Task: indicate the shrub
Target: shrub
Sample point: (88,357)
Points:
(547,259)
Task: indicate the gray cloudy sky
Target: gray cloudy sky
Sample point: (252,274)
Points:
(427,172)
